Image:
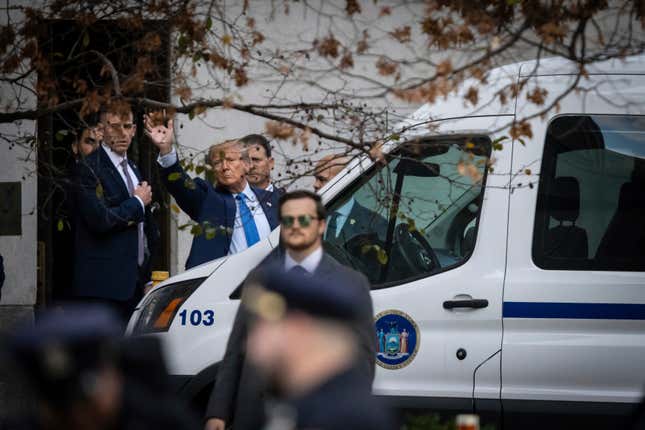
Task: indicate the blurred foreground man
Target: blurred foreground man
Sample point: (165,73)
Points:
(82,375)
(239,392)
(303,342)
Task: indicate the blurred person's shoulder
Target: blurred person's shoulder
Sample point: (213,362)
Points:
(350,405)
(337,269)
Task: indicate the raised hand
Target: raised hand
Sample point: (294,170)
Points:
(162,136)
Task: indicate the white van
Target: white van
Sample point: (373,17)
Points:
(519,288)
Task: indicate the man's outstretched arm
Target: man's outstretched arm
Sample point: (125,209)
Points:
(188,193)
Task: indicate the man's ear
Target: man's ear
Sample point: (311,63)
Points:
(75,148)
(271,163)
(247,166)
(322,227)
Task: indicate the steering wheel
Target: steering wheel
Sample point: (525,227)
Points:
(415,249)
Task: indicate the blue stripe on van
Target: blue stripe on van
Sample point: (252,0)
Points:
(602,311)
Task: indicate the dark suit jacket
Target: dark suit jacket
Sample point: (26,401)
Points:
(344,401)
(106,237)
(361,221)
(1,275)
(362,227)
(238,394)
(214,208)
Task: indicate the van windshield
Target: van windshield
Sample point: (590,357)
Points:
(414,216)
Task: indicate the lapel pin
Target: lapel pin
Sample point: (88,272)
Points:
(269,204)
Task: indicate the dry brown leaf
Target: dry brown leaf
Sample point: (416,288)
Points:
(402,34)
(279,130)
(386,67)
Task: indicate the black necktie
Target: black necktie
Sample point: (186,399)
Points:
(332,224)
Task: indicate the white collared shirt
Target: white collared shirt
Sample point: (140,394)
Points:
(343,215)
(167,160)
(310,263)
(238,240)
(269,188)
(116,159)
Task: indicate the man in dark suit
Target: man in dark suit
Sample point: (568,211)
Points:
(115,233)
(352,219)
(1,275)
(238,393)
(356,231)
(232,215)
(86,139)
(262,162)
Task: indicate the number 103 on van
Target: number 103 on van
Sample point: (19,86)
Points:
(197,317)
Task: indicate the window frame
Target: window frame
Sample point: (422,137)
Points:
(360,180)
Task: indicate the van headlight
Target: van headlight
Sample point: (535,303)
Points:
(162,304)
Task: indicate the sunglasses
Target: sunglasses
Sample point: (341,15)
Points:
(304,220)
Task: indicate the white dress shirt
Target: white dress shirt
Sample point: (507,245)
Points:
(310,263)
(116,159)
(270,187)
(238,240)
(167,160)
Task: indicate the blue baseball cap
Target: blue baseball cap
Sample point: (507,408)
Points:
(275,292)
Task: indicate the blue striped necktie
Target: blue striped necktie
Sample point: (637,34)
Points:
(248,223)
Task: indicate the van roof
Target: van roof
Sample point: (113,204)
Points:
(454,106)
(630,65)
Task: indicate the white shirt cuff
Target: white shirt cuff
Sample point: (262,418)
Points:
(167,160)
(143,207)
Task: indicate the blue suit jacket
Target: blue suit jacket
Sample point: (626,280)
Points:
(106,231)
(214,209)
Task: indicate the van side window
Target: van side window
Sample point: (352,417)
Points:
(591,199)
(415,216)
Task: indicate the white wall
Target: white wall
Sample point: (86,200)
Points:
(19,252)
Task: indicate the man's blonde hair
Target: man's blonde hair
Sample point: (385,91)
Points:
(222,146)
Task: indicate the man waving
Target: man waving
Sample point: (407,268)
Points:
(232,214)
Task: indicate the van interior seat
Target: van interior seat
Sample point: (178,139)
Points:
(624,240)
(566,241)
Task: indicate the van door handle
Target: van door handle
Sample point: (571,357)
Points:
(467,303)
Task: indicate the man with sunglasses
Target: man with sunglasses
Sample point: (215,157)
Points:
(115,233)
(232,214)
(239,393)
